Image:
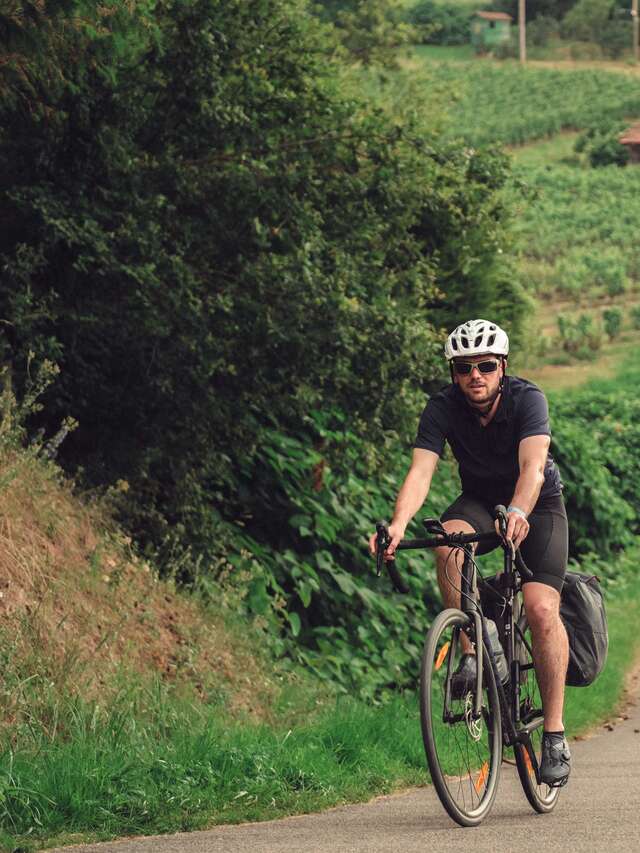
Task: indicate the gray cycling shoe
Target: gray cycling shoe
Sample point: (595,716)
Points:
(556,761)
(463,680)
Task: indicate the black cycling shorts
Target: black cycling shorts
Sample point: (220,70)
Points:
(545,549)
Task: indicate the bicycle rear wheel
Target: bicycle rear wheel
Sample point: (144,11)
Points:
(464,754)
(542,797)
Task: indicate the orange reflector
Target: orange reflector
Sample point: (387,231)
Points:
(482,777)
(442,655)
(527,761)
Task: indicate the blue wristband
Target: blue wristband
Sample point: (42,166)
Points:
(517,510)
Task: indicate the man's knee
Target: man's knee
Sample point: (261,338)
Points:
(543,608)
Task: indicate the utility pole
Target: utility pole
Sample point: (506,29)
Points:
(522,32)
(634,15)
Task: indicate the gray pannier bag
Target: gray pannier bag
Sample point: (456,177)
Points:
(584,617)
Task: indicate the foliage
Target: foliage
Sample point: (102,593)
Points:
(600,143)
(616,37)
(442,23)
(505,103)
(370,31)
(612,318)
(212,241)
(311,556)
(541,30)
(587,19)
(535,8)
(576,333)
(575,230)
(635,316)
(596,437)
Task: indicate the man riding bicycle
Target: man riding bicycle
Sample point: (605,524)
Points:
(498,429)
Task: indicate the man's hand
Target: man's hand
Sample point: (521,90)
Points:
(396,532)
(517,528)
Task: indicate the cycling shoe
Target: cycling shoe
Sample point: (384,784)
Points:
(556,761)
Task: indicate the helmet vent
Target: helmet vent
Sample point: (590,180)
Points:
(477,337)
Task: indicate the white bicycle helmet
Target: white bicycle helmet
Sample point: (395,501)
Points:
(476,337)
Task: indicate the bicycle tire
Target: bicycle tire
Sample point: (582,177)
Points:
(542,798)
(464,757)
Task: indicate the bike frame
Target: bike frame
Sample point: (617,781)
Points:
(514,730)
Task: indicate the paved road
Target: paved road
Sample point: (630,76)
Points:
(598,811)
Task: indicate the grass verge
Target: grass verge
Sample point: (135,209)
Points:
(153,763)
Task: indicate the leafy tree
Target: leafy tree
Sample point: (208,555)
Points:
(587,19)
(211,241)
(442,23)
(535,8)
(371,31)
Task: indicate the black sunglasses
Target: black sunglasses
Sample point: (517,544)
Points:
(464,368)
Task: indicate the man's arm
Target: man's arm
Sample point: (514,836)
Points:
(532,456)
(411,496)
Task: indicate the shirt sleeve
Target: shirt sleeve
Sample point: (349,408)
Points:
(433,428)
(534,414)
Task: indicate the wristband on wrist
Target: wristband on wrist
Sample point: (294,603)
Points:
(517,510)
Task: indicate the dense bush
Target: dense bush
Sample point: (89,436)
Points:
(579,333)
(596,440)
(586,19)
(612,319)
(616,38)
(442,23)
(370,31)
(600,142)
(535,8)
(541,30)
(212,241)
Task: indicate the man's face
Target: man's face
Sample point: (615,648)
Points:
(479,388)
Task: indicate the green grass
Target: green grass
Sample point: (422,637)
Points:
(153,764)
(548,152)
(445,53)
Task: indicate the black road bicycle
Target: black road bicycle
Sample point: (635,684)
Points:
(465,736)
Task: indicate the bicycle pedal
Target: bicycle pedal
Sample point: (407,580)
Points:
(560,784)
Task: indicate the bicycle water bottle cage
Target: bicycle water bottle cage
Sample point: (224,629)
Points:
(434,526)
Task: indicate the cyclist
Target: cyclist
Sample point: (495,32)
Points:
(498,429)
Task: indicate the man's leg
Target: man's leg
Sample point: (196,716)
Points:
(449,565)
(550,649)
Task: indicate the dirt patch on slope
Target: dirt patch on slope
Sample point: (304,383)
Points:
(80,613)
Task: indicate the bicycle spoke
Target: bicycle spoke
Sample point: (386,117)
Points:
(463,753)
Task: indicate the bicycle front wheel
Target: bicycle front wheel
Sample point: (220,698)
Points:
(464,752)
(542,797)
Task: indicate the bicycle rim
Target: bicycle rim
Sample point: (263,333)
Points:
(464,754)
(542,797)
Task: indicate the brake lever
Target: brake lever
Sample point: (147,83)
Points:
(382,541)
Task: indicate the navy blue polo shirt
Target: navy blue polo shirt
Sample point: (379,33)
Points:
(487,456)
